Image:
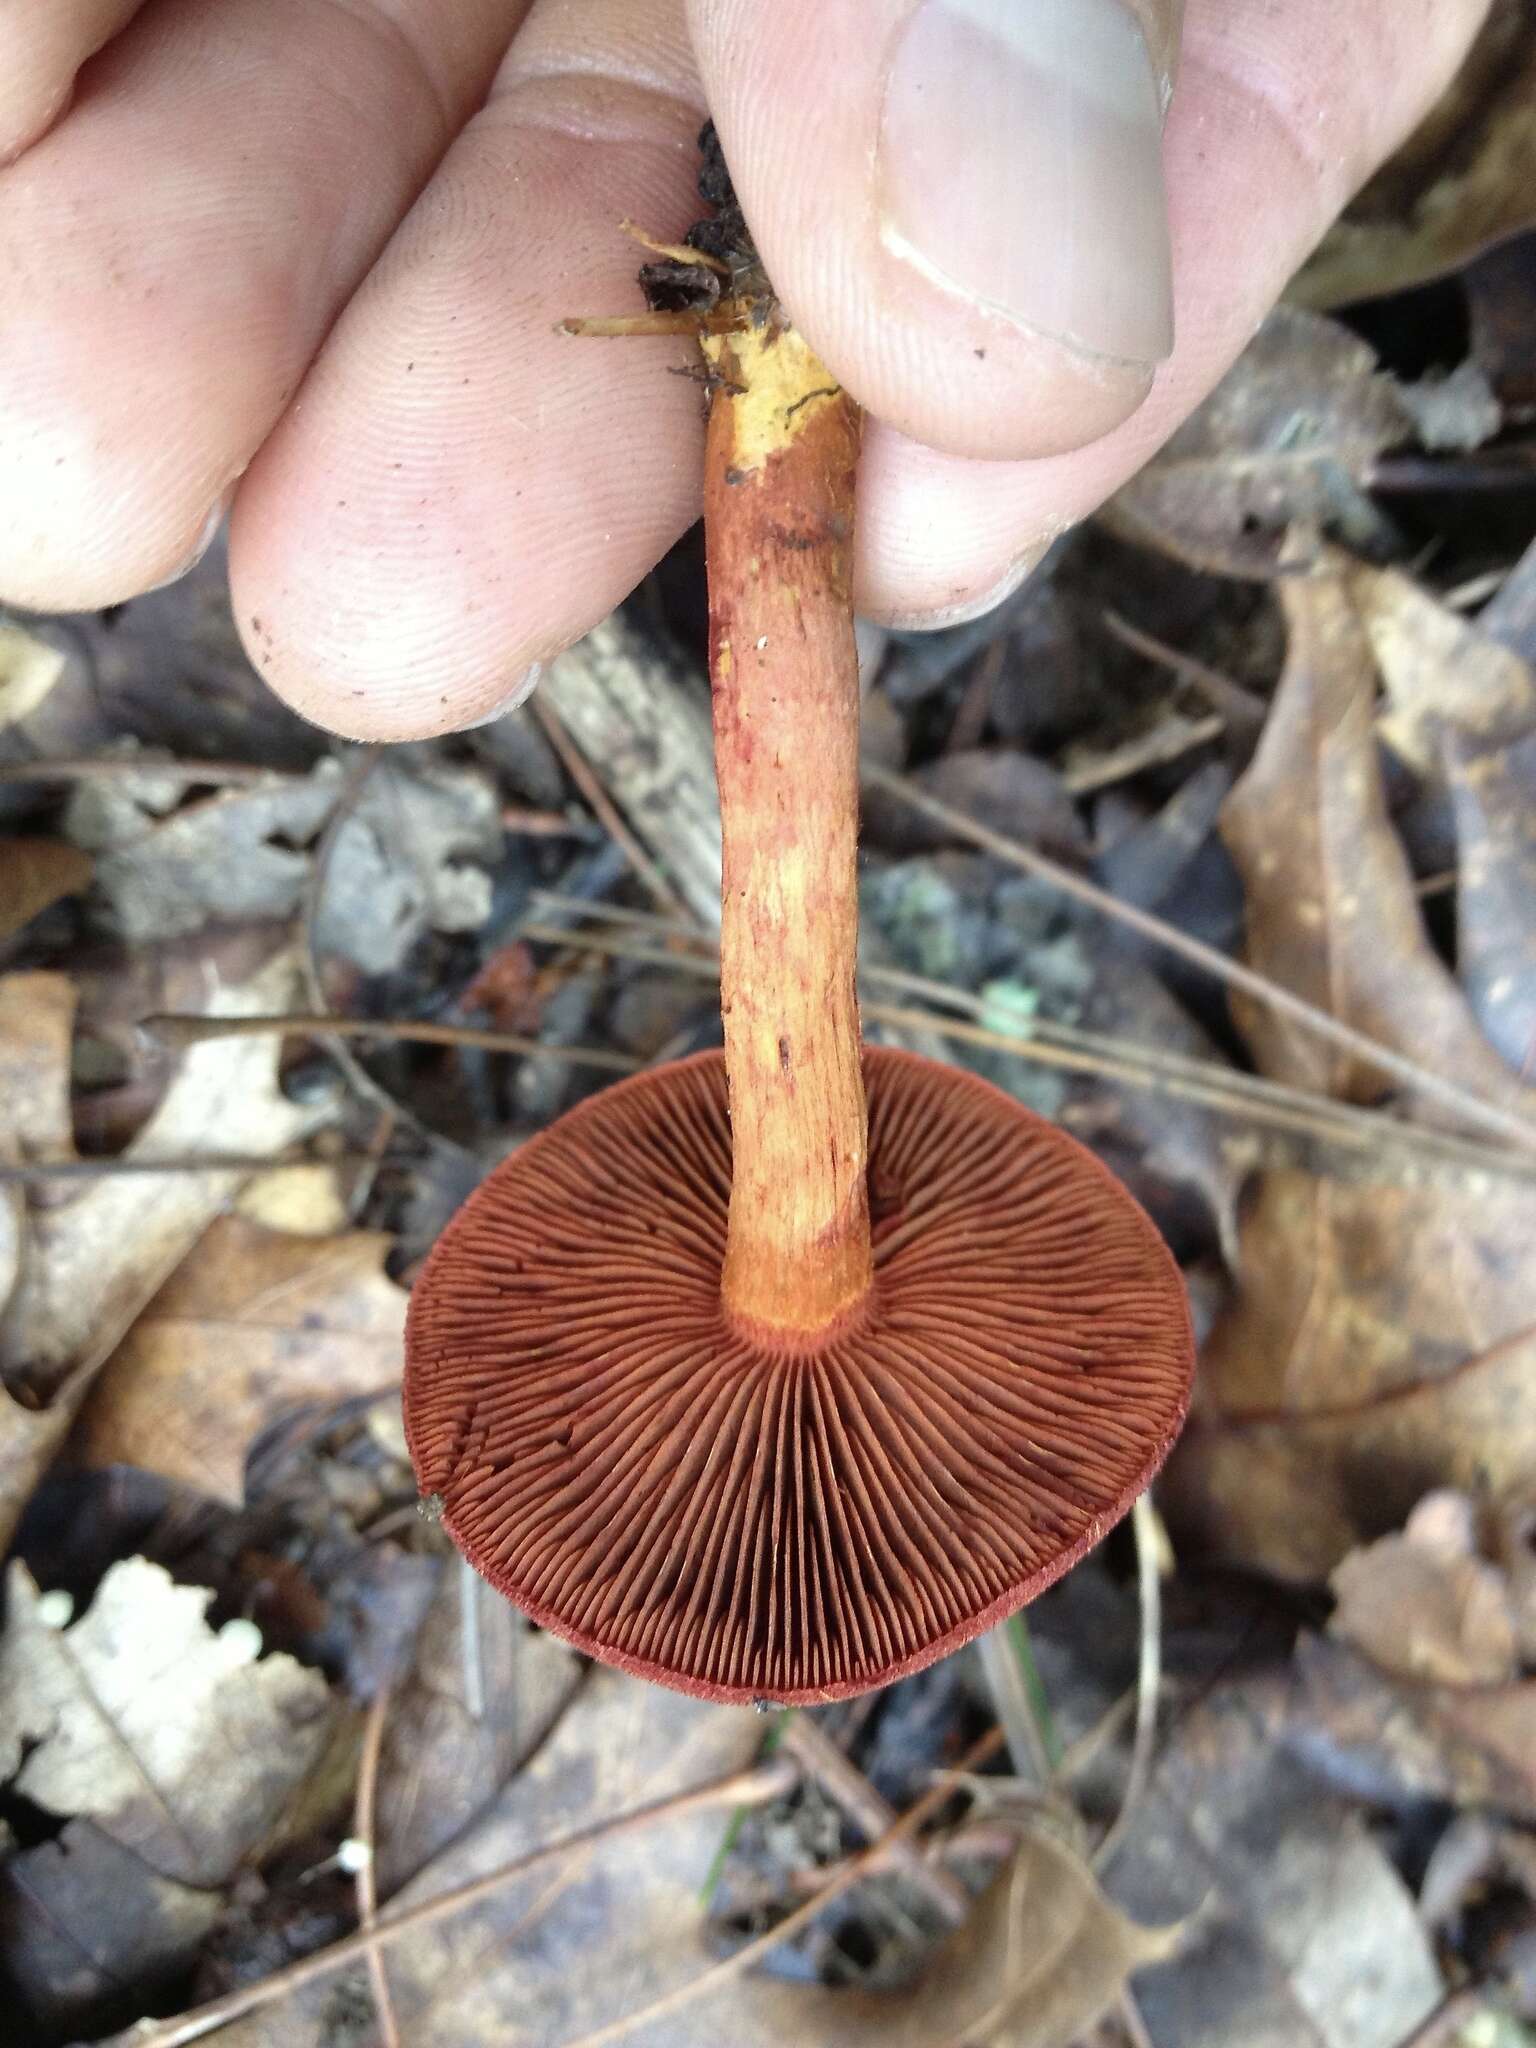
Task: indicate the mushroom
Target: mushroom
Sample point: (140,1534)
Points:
(778,1373)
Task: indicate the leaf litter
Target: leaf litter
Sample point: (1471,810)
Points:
(1278,704)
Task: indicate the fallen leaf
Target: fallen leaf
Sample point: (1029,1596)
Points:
(181,1744)
(229,858)
(304,1201)
(1381,1332)
(94,1259)
(1041,1957)
(1425,1604)
(81,1917)
(1289,435)
(1332,910)
(1500,289)
(1463,180)
(251,1325)
(1462,712)
(1437,668)
(1494,787)
(35,873)
(414,855)
(1399,1743)
(576,1943)
(447,1755)
(29,668)
(1304,1934)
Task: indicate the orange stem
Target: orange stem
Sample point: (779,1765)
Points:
(778,508)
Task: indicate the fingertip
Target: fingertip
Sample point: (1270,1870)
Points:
(967,217)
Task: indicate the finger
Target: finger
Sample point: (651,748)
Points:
(1280,114)
(960,201)
(173,253)
(45,46)
(461,491)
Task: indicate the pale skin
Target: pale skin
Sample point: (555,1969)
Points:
(306,259)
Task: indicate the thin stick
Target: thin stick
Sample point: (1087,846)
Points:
(115,767)
(1226,1090)
(176,1029)
(604,811)
(1149,1670)
(847,1875)
(1448,1093)
(756,1786)
(367,1882)
(1239,707)
(820,1756)
(210,1162)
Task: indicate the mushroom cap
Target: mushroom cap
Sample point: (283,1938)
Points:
(746,1516)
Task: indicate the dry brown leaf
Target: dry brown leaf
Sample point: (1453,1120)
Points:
(37,1015)
(1462,711)
(446,1757)
(35,873)
(94,1259)
(252,1324)
(1289,434)
(182,1744)
(1304,1935)
(1426,1605)
(1438,669)
(550,1955)
(1042,1956)
(80,1916)
(304,1201)
(414,855)
(1418,1694)
(229,858)
(1380,1335)
(1398,1742)
(1464,180)
(570,1949)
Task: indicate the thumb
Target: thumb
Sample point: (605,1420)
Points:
(960,201)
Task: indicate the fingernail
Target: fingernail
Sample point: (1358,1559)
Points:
(1022,567)
(1021,164)
(207,535)
(519,693)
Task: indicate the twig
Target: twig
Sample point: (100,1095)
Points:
(847,1875)
(114,767)
(755,1786)
(1447,2020)
(210,1162)
(604,811)
(1242,709)
(976,703)
(1169,740)
(366,1881)
(1227,1090)
(544,824)
(1487,1115)
(810,1744)
(175,1030)
(1149,1671)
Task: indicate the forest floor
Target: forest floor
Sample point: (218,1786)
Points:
(1262,1769)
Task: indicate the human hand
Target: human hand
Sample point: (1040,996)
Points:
(314,252)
